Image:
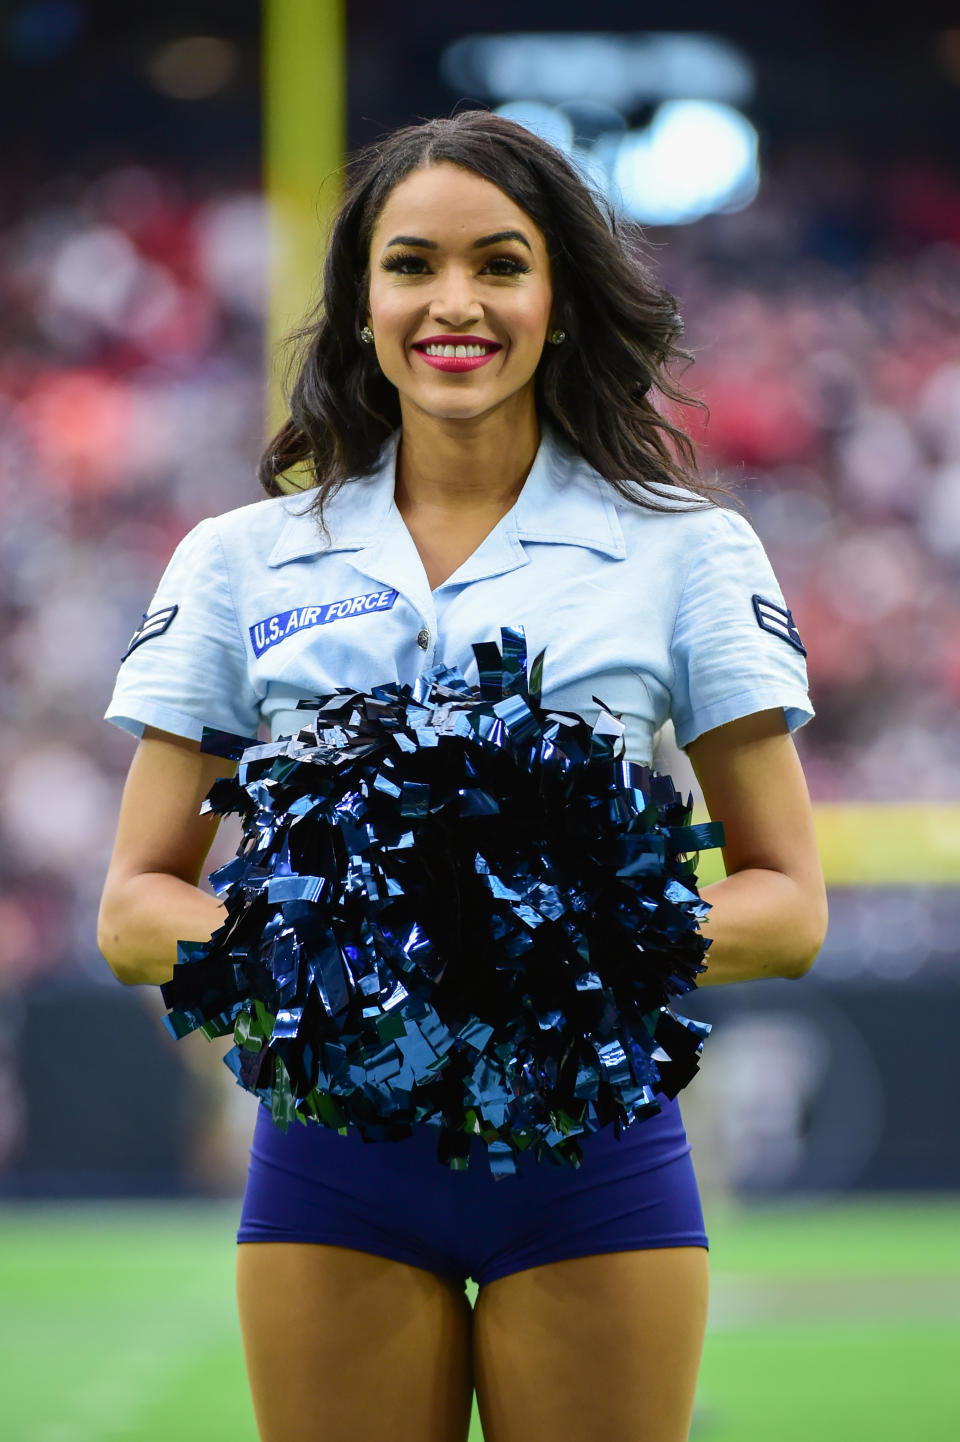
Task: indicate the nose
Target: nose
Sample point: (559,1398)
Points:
(455,302)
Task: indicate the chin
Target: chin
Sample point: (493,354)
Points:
(450,408)
(459,413)
(463,407)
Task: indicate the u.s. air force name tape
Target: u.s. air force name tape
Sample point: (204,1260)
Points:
(273,629)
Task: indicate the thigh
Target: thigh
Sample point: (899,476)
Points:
(600,1346)
(343,1346)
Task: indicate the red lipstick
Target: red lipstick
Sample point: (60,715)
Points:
(457,362)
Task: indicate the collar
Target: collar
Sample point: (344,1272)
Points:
(564,502)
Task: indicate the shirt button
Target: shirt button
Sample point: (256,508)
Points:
(423,639)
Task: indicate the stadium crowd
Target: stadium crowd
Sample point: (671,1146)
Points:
(825,321)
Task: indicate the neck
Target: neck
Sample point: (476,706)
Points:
(464,466)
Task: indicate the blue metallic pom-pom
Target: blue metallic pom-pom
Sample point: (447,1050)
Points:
(456,907)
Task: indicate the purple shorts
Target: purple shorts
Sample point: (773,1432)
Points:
(311,1184)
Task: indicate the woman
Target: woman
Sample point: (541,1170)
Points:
(474,402)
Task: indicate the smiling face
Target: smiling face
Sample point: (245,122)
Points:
(460,295)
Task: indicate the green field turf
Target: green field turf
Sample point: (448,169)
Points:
(827,1322)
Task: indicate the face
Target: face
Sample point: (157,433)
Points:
(460,294)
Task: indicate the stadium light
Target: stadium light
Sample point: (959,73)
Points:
(627,70)
(193,67)
(695,157)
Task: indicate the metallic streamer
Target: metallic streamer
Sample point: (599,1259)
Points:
(452,907)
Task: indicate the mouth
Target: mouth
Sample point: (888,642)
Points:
(456,352)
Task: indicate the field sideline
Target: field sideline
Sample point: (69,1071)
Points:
(839,1321)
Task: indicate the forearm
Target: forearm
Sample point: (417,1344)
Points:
(142,921)
(761,924)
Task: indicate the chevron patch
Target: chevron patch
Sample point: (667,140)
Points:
(153,625)
(778,621)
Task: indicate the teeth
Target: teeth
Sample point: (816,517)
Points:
(461,352)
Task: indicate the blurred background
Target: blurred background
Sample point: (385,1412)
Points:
(165,178)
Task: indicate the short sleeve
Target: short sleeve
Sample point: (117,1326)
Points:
(736,649)
(185,666)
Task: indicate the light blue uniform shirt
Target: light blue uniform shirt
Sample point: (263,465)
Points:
(659,615)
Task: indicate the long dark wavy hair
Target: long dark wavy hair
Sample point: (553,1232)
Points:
(596,388)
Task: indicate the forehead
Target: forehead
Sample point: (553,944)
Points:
(444,200)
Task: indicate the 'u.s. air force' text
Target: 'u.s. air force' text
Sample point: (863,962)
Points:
(274,629)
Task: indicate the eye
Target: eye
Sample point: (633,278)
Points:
(506,265)
(404,263)
(407,263)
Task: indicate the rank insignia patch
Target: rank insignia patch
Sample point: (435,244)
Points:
(153,625)
(778,621)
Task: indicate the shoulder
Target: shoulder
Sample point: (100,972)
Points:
(685,514)
(688,523)
(679,528)
(678,514)
(284,528)
(694,524)
(250,533)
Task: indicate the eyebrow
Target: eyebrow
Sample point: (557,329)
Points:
(494,239)
(498,236)
(411,240)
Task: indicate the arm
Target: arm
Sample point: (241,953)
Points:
(769,914)
(150,897)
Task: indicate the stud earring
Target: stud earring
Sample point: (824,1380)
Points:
(366,335)
(557,337)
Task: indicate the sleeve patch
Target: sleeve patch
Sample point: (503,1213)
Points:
(778,621)
(153,625)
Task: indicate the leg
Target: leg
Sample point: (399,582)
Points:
(344,1346)
(602,1346)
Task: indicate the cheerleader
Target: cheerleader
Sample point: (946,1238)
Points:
(475,406)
